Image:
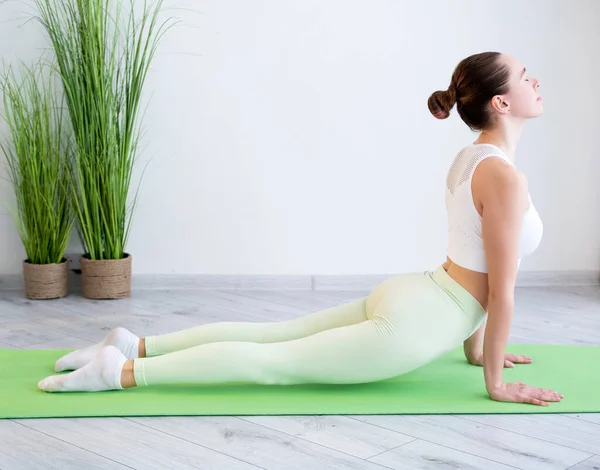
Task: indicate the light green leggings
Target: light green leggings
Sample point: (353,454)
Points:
(404,323)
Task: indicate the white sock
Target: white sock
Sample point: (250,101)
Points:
(102,373)
(121,338)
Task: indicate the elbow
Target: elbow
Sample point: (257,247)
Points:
(501,299)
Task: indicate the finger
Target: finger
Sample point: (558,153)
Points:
(527,398)
(508,364)
(548,395)
(535,401)
(517,359)
(552,392)
(553,396)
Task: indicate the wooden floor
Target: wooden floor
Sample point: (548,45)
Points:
(544,315)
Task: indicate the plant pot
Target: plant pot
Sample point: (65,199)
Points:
(106,279)
(46,281)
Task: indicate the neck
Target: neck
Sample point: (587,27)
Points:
(505,135)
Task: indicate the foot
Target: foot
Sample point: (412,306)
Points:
(121,338)
(102,373)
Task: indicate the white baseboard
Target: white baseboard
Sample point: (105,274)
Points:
(216,281)
(304,282)
(558,278)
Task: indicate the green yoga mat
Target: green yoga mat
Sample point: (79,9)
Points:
(447,386)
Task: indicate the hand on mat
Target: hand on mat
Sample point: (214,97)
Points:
(518,392)
(509,360)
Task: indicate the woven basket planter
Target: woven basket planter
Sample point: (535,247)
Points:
(106,279)
(46,281)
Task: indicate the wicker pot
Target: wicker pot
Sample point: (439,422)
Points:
(106,279)
(46,281)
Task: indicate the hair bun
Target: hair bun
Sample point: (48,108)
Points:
(441,102)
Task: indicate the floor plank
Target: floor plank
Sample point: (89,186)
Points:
(22,334)
(484,441)
(308,300)
(590,417)
(336,432)
(557,429)
(256,444)
(593,463)
(23,447)
(68,342)
(134,445)
(176,305)
(236,302)
(423,455)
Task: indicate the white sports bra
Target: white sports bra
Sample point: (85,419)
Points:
(465,244)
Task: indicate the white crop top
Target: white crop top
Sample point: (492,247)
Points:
(465,243)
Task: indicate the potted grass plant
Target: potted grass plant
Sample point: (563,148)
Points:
(37,154)
(103,53)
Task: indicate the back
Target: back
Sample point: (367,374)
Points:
(465,241)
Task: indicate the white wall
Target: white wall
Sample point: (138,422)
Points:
(293,137)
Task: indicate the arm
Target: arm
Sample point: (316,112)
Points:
(503,197)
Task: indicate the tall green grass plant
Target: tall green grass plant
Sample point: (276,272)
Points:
(103,52)
(37,153)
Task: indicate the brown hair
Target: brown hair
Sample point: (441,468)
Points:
(475,81)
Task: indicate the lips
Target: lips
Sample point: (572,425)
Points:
(539,98)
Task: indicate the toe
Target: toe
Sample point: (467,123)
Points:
(64,362)
(44,384)
(50,384)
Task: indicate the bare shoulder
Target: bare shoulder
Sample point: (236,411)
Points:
(496,182)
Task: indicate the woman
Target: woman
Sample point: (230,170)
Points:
(406,321)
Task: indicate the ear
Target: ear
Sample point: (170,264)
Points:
(500,104)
